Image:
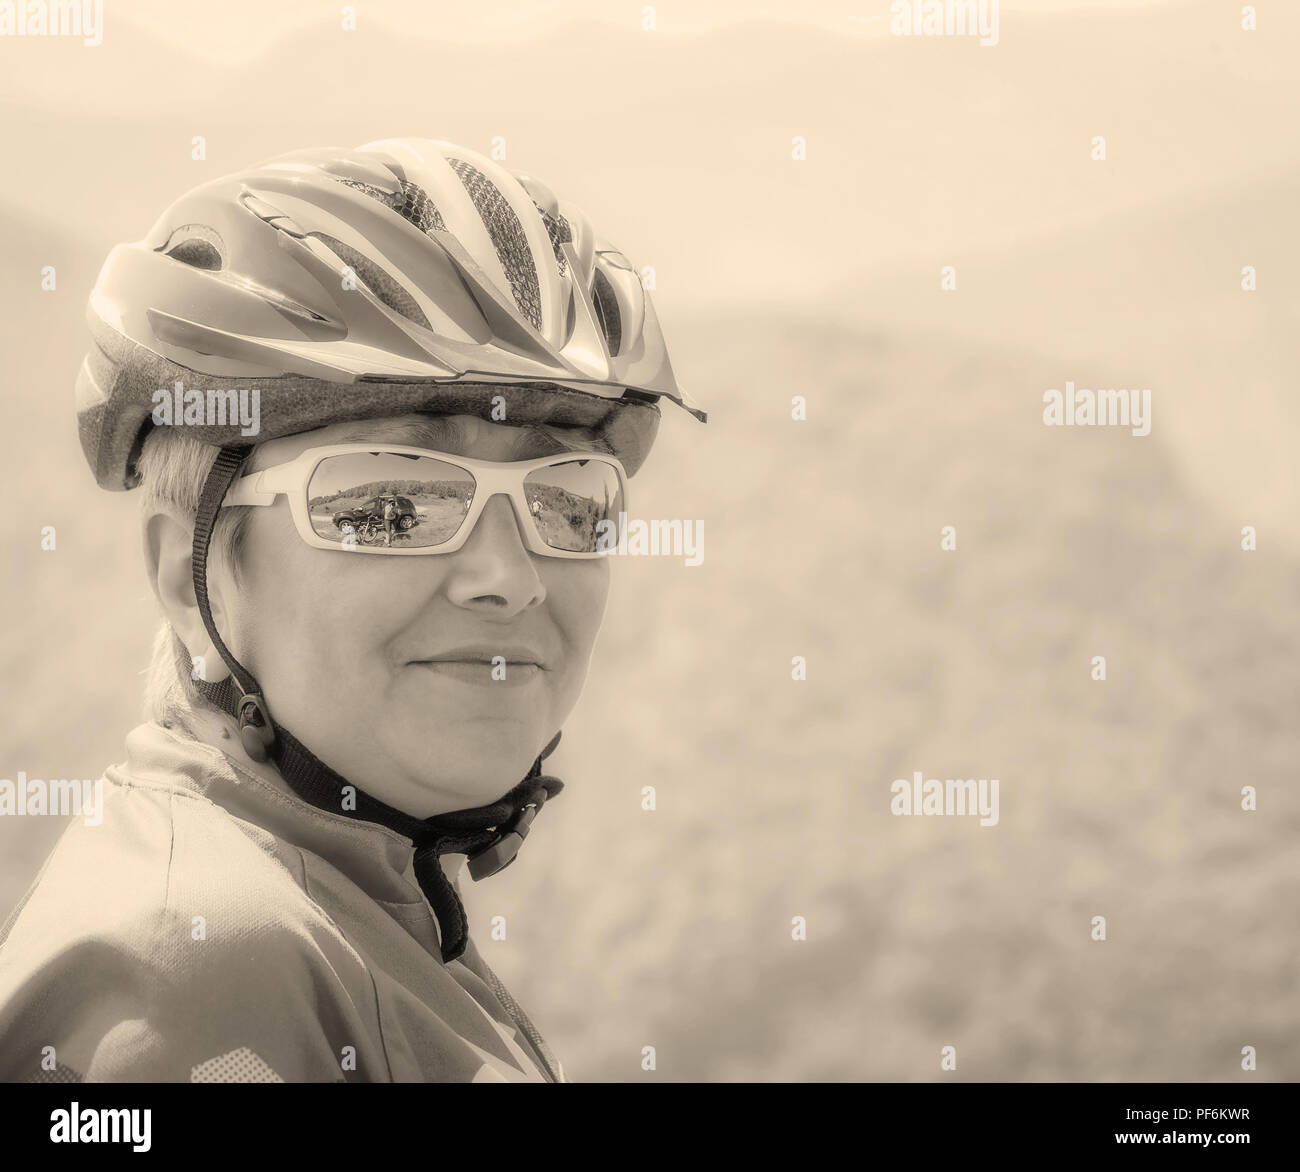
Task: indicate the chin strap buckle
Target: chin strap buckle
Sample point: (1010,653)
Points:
(498,855)
(255,729)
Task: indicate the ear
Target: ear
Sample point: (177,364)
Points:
(168,544)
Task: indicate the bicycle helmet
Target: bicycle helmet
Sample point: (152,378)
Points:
(414,273)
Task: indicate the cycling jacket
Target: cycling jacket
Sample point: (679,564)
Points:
(214,927)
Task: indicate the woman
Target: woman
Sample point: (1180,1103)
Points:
(273,891)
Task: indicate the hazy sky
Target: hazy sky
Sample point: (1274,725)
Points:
(238,29)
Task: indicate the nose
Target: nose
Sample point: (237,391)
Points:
(493,571)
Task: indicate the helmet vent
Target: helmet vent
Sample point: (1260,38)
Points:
(557,227)
(383,285)
(606,303)
(412,203)
(508,238)
(195,245)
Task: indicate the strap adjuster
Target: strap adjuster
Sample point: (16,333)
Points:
(498,855)
(255,731)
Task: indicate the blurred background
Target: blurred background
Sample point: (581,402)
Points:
(818,277)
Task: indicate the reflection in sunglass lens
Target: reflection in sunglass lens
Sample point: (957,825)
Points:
(568,501)
(389,500)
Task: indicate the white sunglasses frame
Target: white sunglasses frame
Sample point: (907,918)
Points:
(292,479)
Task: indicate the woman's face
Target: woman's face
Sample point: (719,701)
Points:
(382,665)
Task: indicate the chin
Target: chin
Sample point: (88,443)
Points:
(477,774)
(471,792)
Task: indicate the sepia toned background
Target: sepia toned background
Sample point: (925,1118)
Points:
(818,277)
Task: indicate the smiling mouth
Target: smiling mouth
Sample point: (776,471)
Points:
(476,661)
(482,672)
(487,653)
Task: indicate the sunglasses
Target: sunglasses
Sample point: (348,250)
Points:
(369,498)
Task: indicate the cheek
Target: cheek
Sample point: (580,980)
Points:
(576,593)
(308,614)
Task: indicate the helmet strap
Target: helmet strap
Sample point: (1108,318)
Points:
(489,835)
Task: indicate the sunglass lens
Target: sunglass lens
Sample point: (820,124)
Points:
(574,503)
(389,500)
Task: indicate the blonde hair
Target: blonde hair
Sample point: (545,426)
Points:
(173,468)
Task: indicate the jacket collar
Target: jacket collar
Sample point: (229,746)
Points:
(201,749)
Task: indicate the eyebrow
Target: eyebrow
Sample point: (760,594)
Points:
(537,441)
(441,433)
(434,432)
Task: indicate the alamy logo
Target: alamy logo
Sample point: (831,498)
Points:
(684,539)
(228,407)
(53,18)
(105,1125)
(945,18)
(64,798)
(952,797)
(1081,407)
